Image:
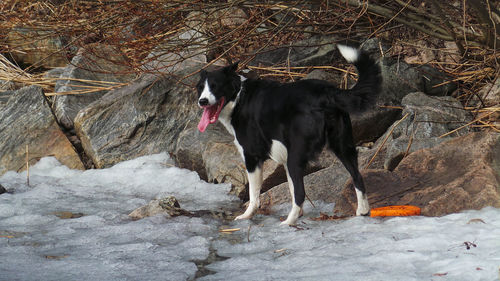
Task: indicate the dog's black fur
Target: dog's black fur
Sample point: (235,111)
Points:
(303,116)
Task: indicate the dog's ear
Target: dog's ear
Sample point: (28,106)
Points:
(231,68)
(203,73)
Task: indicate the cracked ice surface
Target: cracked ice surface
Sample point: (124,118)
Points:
(105,244)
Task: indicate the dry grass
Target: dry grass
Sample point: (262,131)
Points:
(135,28)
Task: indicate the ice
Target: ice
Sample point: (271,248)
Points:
(105,244)
(410,248)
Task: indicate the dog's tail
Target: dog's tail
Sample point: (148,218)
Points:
(364,93)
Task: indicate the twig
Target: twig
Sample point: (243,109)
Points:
(230,230)
(27,165)
(248,233)
(387,137)
(310,201)
(468,124)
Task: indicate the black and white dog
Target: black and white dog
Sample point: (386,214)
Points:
(289,123)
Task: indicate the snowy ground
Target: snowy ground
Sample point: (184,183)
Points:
(104,244)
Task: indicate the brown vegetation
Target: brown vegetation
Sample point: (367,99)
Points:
(460,37)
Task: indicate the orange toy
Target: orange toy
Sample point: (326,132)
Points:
(395,211)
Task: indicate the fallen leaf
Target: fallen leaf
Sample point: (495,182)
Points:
(56,257)
(67,215)
(475,221)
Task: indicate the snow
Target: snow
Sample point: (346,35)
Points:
(104,244)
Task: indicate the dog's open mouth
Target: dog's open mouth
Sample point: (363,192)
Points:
(210,115)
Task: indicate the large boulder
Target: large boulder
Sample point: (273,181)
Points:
(191,146)
(144,117)
(223,163)
(163,60)
(317,50)
(27,121)
(428,120)
(90,69)
(400,79)
(462,173)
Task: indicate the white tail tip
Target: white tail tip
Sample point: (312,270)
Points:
(349,53)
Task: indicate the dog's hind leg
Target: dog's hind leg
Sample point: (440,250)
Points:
(255,184)
(294,174)
(341,142)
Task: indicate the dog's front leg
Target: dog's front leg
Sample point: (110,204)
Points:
(255,183)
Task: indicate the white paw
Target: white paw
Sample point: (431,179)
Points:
(363,208)
(248,214)
(288,222)
(293,215)
(243,217)
(363,205)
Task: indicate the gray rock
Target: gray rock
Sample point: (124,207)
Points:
(142,118)
(375,47)
(10,85)
(325,182)
(28,121)
(324,185)
(223,163)
(4,97)
(400,79)
(323,75)
(54,72)
(168,206)
(97,63)
(317,50)
(432,116)
(372,123)
(401,147)
(191,145)
(162,60)
(428,119)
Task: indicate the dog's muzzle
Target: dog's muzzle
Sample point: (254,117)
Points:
(203,102)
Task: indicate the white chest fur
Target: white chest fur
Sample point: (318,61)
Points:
(225,119)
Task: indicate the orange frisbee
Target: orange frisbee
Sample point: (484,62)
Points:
(395,211)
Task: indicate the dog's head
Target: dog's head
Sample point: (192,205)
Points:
(215,90)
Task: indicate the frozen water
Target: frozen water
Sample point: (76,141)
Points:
(104,244)
(362,248)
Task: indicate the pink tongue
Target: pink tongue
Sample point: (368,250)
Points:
(205,119)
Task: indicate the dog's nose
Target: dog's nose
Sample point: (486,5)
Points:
(203,102)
